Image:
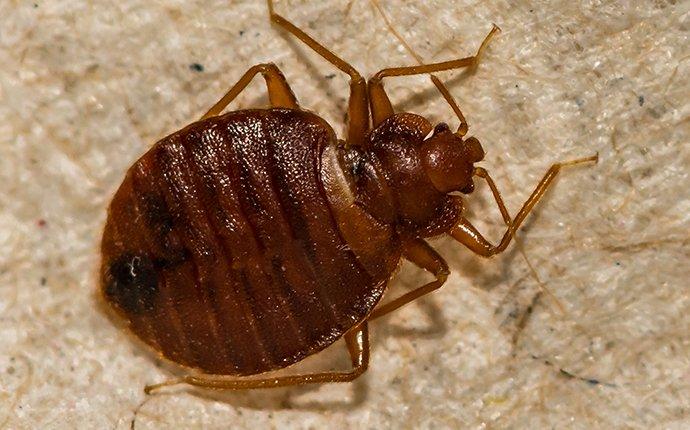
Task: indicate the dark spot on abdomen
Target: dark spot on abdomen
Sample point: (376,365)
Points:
(132,283)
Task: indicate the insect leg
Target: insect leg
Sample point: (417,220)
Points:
(357,342)
(465,233)
(381,107)
(358,111)
(424,256)
(279,91)
(482,173)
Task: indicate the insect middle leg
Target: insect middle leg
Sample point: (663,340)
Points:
(424,256)
(465,233)
(358,109)
(381,107)
(279,92)
(357,341)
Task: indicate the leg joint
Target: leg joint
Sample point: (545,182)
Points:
(359,370)
(377,78)
(270,67)
(356,78)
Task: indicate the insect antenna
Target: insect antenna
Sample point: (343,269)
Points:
(463,127)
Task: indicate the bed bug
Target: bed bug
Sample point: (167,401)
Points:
(249,240)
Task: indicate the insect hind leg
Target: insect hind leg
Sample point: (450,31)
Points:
(357,342)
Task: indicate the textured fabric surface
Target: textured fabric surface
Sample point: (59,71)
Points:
(582,324)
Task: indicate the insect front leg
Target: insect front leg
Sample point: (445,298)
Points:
(465,233)
(424,256)
(279,92)
(357,341)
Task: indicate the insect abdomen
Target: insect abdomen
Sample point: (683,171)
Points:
(231,220)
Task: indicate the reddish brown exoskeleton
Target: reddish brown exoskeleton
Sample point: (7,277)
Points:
(250,240)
